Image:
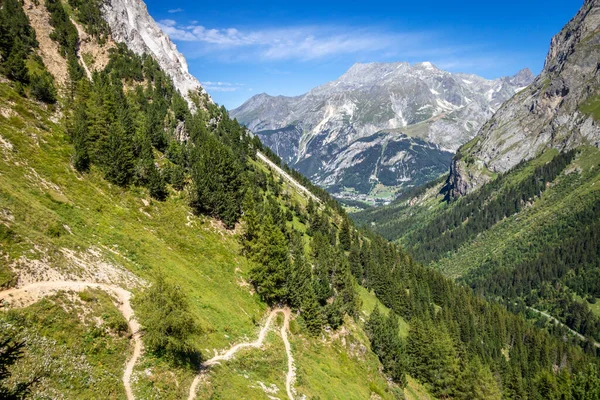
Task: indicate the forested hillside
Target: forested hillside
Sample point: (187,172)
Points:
(517,218)
(113,188)
(529,235)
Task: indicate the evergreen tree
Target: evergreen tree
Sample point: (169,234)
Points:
(164,312)
(477,383)
(345,235)
(118,154)
(586,384)
(251,220)
(157,185)
(299,282)
(42,87)
(311,312)
(271,255)
(217,181)
(14,65)
(385,342)
(79,137)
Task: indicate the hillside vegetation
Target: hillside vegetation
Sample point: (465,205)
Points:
(530,235)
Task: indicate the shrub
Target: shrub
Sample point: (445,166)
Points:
(42,87)
(164,312)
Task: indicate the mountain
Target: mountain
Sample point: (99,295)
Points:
(130,23)
(559,110)
(333,134)
(517,218)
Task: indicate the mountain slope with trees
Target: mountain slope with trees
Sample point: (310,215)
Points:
(109,183)
(527,234)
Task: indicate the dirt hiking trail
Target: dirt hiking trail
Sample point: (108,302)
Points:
(29,294)
(228,355)
(32,293)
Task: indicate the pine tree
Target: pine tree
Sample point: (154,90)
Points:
(118,154)
(168,323)
(299,282)
(79,137)
(157,185)
(322,261)
(586,384)
(14,65)
(355,262)
(477,383)
(217,180)
(251,222)
(42,87)
(271,255)
(345,235)
(311,312)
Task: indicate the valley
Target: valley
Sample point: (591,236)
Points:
(154,245)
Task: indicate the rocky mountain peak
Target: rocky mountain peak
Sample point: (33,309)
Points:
(335,127)
(131,23)
(523,78)
(553,112)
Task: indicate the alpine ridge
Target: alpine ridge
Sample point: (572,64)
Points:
(130,23)
(333,134)
(559,110)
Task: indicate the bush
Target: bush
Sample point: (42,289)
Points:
(42,87)
(164,312)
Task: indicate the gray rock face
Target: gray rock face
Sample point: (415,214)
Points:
(317,133)
(130,23)
(550,113)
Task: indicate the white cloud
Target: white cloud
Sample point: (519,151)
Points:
(222,86)
(168,23)
(301,43)
(175,10)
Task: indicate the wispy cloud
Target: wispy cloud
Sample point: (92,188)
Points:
(175,10)
(223,86)
(300,43)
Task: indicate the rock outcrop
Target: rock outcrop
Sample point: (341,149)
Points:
(130,23)
(559,110)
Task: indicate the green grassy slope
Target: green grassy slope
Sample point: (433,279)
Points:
(48,213)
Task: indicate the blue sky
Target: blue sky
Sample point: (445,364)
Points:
(239,49)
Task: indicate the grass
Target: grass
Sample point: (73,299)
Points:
(415,391)
(42,199)
(48,211)
(76,359)
(369,301)
(595,307)
(339,366)
(592,107)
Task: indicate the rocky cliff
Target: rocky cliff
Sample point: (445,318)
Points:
(131,23)
(559,110)
(332,133)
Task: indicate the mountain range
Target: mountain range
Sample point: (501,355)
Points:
(517,217)
(380,127)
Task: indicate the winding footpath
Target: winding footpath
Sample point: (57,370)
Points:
(29,294)
(228,355)
(32,293)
